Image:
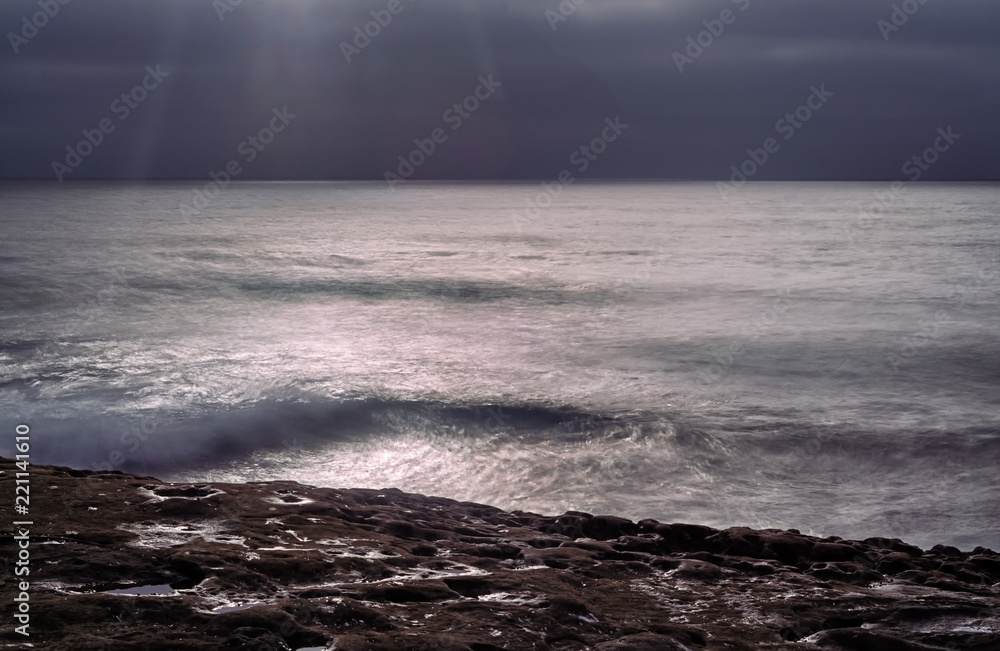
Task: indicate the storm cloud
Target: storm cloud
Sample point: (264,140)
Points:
(698,83)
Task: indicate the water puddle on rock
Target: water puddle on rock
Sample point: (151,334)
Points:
(233,607)
(161,535)
(162,590)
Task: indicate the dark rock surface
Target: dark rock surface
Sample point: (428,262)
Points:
(285,566)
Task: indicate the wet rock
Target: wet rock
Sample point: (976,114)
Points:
(896,562)
(283,566)
(609,527)
(853,573)
(678,537)
(698,571)
(424,591)
(346,614)
(854,639)
(987,564)
(248,638)
(645,545)
(965,571)
(642,642)
(893,544)
(470,586)
(424,550)
(833,553)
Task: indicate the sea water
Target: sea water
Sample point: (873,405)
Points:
(814,356)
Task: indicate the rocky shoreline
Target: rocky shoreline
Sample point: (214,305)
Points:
(121,562)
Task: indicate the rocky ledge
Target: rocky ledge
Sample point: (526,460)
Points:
(121,562)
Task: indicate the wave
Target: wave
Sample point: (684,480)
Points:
(209,435)
(453,290)
(927,485)
(139,289)
(163,441)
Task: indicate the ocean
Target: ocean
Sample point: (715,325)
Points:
(817,356)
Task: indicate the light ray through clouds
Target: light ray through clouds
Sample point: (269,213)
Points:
(606,58)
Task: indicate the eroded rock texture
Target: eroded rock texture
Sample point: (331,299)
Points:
(121,562)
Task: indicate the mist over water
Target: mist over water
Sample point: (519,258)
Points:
(647,350)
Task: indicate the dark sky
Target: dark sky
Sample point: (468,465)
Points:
(609,58)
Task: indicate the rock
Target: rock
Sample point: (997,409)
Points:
(423,591)
(853,573)
(559,557)
(642,642)
(988,564)
(470,586)
(856,639)
(678,537)
(833,553)
(697,570)
(279,565)
(893,544)
(424,550)
(896,562)
(609,527)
